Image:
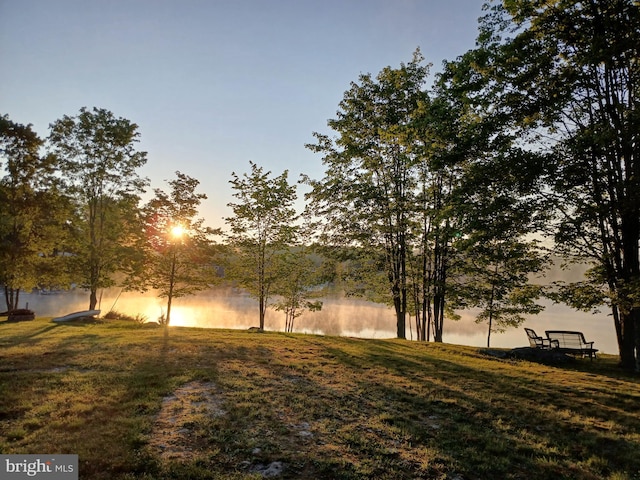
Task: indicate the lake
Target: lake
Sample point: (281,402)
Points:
(227,308)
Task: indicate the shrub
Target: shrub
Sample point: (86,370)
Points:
(115,315)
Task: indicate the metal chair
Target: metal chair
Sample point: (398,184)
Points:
(536,341)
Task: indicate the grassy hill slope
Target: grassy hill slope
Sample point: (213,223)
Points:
(200,404)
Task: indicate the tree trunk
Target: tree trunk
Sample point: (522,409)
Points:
(262,311)
(398,290)
(636,312)
(439,299)
(426,316)
(400,318)
(93,298)
(629,343)
(438,317)
(168,317)
(12,297)
(493,293)
(630,317)
(262,279)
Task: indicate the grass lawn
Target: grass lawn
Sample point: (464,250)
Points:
(221,404)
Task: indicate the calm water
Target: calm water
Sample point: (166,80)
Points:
(223,308)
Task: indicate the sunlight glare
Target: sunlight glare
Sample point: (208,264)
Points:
(177,231)
(179,317)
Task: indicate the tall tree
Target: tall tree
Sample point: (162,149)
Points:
(367,197)
(565,72)
(178,260)
(29,224)
(262,228)
(442,142)
(98,162)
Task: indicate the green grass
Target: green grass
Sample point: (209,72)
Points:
(326,407)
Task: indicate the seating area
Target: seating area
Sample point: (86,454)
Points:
(564,341)
(572,342)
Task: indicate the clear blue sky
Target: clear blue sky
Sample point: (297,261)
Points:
(213,84)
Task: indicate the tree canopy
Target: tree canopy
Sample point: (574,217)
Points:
(563,77)
(98,160)
(30,225)
(178,257)
(367,197)
(262,227)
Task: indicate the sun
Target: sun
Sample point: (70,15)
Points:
(177,231)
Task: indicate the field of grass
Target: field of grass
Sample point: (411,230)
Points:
(219,404)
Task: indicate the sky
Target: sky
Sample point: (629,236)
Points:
(214,84)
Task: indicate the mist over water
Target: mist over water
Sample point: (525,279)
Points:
(229,308)
(226,308)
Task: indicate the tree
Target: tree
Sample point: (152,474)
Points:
(565,75)
(29,222)
(367,197)
(178,260)
(499,282)
(98,162)
(262,228)
(498,258)
(294,287)
(442,140)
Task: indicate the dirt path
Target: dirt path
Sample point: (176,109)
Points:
(172,435)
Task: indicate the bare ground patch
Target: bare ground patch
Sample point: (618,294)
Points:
(193,423)
(173,436)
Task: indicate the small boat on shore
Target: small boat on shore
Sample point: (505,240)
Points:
(76,315)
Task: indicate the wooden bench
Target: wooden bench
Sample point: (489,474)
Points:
(571,342)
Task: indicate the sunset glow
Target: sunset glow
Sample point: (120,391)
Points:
(177,231)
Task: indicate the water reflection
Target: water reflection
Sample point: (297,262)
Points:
(226,308)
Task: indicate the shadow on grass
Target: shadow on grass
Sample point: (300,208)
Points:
(368,408)
(503,424)
(23,337)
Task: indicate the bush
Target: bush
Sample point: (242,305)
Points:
(115,315)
